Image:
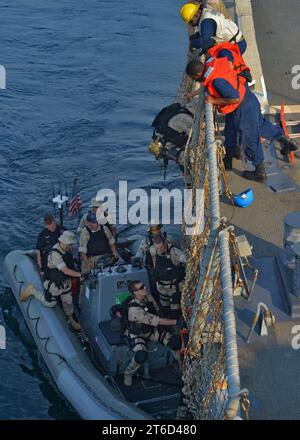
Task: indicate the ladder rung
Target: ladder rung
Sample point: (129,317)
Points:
(292,123)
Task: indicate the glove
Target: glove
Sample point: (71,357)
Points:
(195,36)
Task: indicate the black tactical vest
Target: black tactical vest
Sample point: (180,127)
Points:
(49,239)
(165,270)
(56,276)
(98,243)
(138,328)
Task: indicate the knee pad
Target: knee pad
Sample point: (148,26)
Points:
(175,343)
(140,356)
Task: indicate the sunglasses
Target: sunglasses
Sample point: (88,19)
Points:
(142,287)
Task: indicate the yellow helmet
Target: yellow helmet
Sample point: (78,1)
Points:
(188,11)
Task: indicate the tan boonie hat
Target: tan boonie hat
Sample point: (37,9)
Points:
(67,237)
(95,203)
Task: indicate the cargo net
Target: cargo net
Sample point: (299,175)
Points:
(204,374)
(204,394)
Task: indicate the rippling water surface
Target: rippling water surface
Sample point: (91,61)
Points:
(84,81)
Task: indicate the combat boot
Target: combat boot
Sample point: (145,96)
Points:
(227,162)
(27,293)
(258,175)
(130,371)
(74,323)
(238,153)
(287,145)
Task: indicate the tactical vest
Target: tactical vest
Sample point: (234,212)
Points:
(165,270)
(98,243)
(56,276)
(220,68)
(227,30)
(239,64)
(161,125)
(138,328)
(149,242)
(50,240)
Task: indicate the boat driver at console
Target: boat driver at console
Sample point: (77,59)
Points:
(145,325)
(96,241)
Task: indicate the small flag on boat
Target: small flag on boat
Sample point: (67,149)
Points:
(75,202)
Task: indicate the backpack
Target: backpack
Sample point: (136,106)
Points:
(119,312)
(161,124)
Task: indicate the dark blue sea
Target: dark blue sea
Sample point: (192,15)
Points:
(84,81)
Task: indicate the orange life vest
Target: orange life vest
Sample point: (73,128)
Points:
(239,64)
(220,68)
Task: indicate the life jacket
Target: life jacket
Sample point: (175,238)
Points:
(161,125)
(98,243)
(56,276)
(227,30)
(239,64)
(138,328)
(220,68)
(165,270)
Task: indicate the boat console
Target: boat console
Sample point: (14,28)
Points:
(103,289)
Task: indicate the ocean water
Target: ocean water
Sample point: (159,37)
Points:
(84,82)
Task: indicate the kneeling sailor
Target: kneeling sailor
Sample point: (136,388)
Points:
(145,325)
(57,278)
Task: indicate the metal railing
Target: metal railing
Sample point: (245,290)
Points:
(212,379)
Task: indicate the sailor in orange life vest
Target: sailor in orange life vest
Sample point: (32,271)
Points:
(228,91)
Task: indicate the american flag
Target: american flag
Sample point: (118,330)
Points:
(75,202)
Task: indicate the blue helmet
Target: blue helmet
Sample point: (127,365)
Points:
(244,199)
(91,217)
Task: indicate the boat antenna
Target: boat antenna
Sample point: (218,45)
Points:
(59,200)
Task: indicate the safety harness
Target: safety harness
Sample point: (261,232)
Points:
(166,273)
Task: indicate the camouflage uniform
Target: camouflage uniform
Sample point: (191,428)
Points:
(145,245)
(83,243)
(55,261)
(139,313)
(170,291)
